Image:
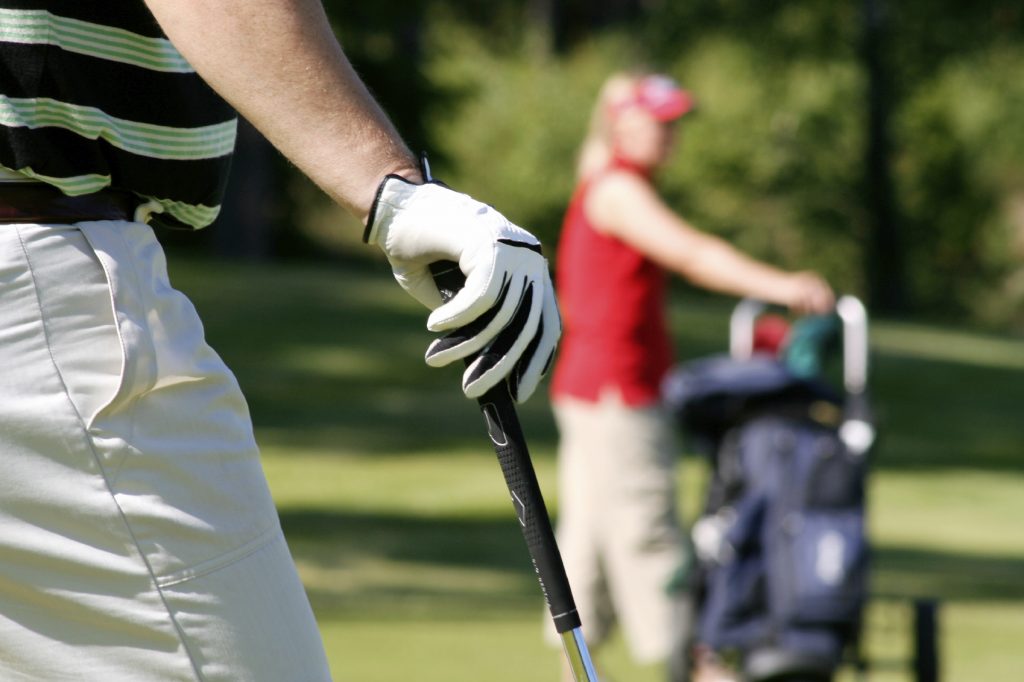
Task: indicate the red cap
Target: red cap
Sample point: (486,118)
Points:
(660,96)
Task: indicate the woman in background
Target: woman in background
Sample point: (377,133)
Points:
(619,530)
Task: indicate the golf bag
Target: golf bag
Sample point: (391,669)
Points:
(781,550)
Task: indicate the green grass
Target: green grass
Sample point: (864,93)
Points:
(403,534)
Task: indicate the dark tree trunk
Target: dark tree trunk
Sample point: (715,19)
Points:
(568,21)
(885,254)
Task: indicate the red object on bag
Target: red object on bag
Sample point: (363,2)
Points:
(770,333)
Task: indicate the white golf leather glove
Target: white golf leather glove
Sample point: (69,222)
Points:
(505,312)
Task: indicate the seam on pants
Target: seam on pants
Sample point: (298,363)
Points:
(96,458)
(223,561)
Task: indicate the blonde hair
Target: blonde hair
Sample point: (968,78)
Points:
(596,150)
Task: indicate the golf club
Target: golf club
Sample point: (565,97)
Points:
(510,445)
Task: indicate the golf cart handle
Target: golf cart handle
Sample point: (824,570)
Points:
(855,337)
(510,445)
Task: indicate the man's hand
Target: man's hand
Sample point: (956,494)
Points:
(505,311)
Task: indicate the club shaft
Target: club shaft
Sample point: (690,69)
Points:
(578,655)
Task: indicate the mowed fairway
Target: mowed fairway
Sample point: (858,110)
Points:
(400,524)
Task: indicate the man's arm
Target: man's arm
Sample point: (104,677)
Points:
(278,63)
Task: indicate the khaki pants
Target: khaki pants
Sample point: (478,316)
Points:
(138,539)
(618,527)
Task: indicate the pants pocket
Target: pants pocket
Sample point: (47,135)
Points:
(77,313)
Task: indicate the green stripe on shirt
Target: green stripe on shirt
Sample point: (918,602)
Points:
(72,186)
(39,27)
(144,139)
(195,215)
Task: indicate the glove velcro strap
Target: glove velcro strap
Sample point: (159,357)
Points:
(370,232)
(371,229)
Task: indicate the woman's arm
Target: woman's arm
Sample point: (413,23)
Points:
(626,206)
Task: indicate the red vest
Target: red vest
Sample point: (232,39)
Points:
(612,300)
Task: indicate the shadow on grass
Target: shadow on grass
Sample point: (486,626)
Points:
(910,573)
(935,413)
(455,564)
(391,565)
(477,542)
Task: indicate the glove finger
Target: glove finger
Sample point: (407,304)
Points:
(470,338)
(478,295)
(536,359)
(485,269)
(498,360)
(419,284)
(439,351)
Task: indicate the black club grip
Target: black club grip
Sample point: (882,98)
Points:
(506,434)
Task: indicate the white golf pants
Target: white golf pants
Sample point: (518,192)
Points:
(138,539)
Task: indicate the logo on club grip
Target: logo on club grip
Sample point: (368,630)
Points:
(494,428)
(520,508)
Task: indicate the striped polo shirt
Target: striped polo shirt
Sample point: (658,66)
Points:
(93,95)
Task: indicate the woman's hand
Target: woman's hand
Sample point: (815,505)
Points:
(809,293)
